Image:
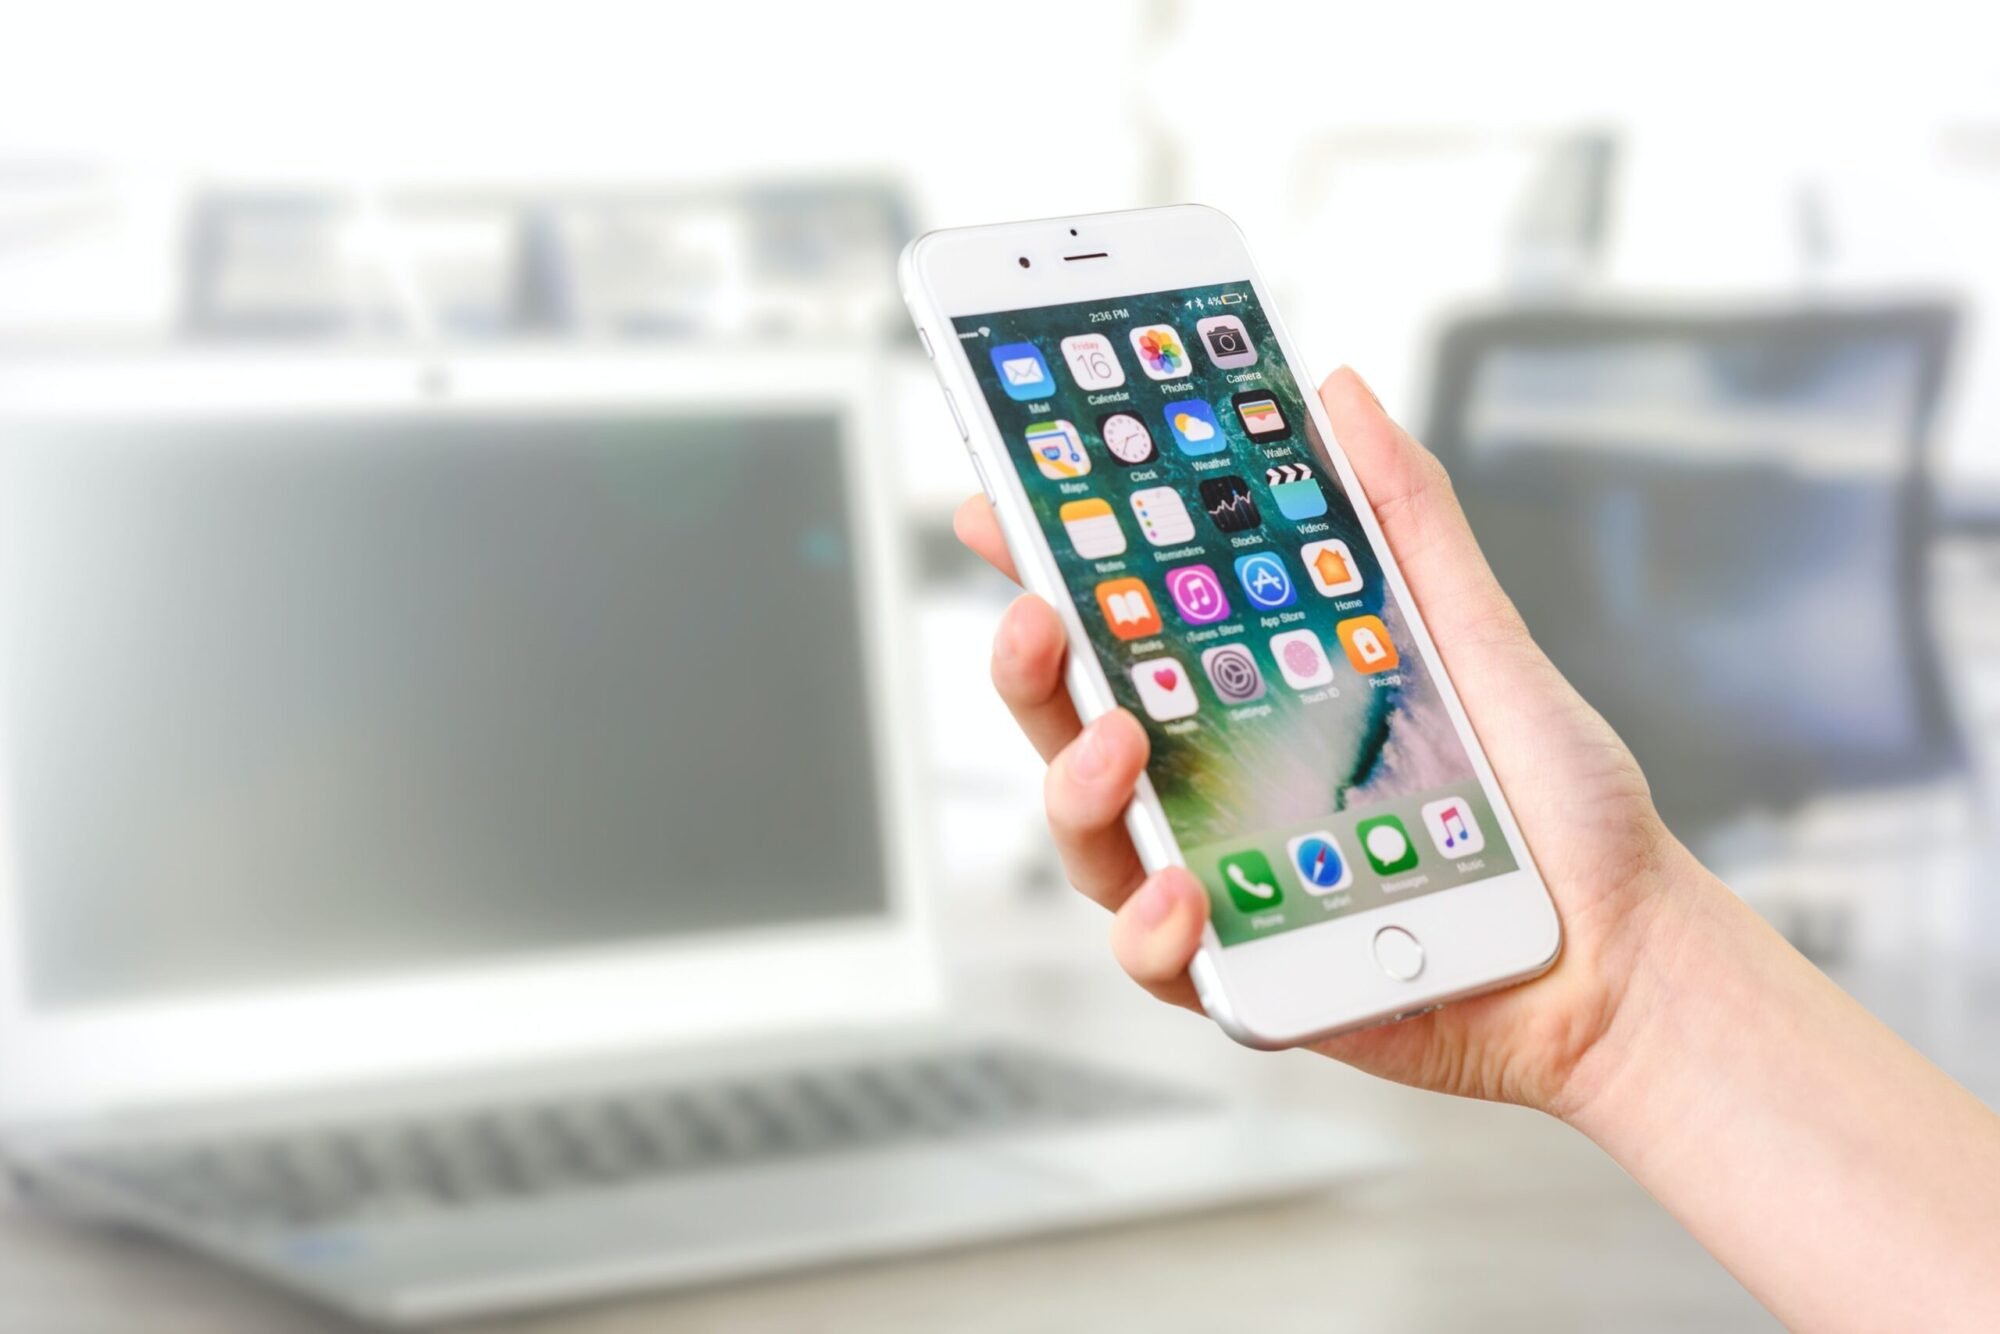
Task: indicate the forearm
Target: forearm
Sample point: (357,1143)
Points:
(1841,1177)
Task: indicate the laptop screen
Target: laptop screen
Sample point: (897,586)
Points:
(297,701)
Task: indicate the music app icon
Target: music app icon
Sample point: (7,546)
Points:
(1454,828)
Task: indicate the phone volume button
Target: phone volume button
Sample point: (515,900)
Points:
(956,419)
(984,485)
(925,339)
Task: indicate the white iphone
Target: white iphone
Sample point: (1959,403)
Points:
(1167,480)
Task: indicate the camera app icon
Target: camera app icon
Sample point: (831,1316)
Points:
(1227,341)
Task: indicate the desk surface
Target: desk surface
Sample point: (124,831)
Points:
(1504,1220)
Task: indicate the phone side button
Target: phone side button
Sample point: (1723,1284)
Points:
(984,485)
(925,339)
(1399,953)
(956,419)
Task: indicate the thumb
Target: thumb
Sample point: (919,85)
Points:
(1462,602)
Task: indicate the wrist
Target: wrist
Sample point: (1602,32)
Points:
(1663,955)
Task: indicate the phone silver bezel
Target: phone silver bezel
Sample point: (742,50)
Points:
(1298,985)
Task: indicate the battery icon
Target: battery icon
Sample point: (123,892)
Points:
(1230,298)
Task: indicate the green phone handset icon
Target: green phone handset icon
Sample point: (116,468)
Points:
(1251,885)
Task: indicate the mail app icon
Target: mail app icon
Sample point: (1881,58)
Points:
(1023,373)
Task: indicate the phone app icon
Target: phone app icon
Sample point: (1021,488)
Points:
(1092,527)
(1261,416)
(1164,689)
(1128,608)
(1316,857)
(1127,438)
(1023,373)
(1229,502)
(1197,594)
(1058,450)
(1195,429)
(1301,660)
(1233,673)
(1228,342)
(1387,844)
(1331,565)
(1163,516)
(1248,878)
(1296,490)
(1161,353)
(1093,361)
(1266,581)
(1368,645)
(1454,828)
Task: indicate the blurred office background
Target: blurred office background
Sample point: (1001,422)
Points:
(1697,304)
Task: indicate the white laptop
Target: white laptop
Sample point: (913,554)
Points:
(456,843)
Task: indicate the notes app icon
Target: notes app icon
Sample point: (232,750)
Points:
(1093,528)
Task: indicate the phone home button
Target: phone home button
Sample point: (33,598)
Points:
(1399,953)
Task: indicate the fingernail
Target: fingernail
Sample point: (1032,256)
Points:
(1363,381)
(1088,758)
(1006,644)
(1153,902)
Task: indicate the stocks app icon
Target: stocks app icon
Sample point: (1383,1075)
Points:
(1229,502)
(1233,673)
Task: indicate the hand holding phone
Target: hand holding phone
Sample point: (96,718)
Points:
(1574,788)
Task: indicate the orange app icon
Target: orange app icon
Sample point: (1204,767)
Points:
(1128,608)
(1368,644)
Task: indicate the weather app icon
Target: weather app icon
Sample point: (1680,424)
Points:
(1195,429)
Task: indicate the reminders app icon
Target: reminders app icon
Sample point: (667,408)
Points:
(1023,373)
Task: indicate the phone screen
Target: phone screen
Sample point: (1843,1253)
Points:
(1301,750)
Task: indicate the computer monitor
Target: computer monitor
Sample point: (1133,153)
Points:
(1715,524)
(344,723)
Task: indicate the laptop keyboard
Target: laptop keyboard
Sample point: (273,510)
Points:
(380,1167)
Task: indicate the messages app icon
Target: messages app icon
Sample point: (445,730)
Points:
(1023,373)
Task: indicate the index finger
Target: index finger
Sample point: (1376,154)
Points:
(977,527)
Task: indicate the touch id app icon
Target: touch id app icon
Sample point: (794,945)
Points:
(1301,660)
(1164,689)
(1128,608)
(1023,373)
(1316,857)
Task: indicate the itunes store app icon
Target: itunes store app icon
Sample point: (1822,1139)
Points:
(1197,594)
